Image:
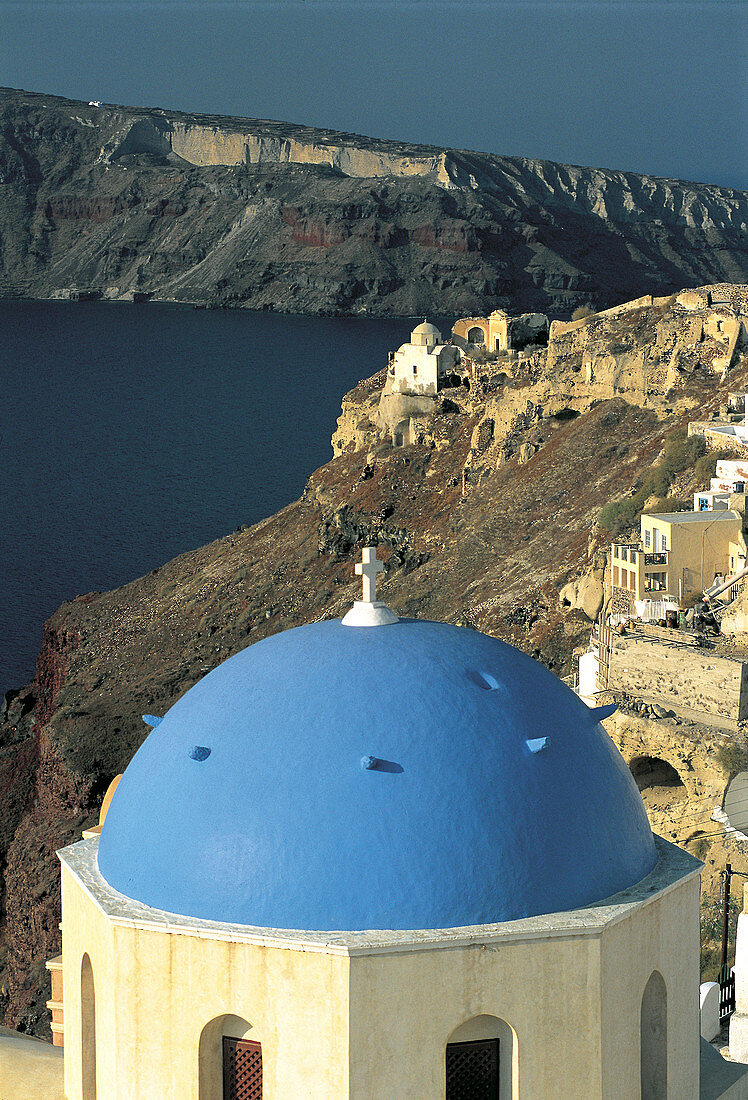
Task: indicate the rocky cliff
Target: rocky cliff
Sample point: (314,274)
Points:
(482,520)
(124,202)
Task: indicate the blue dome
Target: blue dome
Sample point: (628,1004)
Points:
(394,777)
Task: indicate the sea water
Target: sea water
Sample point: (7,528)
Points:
(131,433)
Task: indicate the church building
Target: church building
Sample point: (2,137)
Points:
(420,366)
(379,858)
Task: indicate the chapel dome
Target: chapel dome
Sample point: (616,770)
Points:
(426,334)
(459,822)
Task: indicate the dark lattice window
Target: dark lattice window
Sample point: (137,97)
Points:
(242,1069)
(473,1070)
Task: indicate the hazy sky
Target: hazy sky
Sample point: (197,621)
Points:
(638,85)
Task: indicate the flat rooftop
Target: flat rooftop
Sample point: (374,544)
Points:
(693,517)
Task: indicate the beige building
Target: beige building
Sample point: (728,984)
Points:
(499,331)
(678,554)
(489,332)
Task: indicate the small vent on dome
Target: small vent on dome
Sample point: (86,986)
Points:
(536,744)
(199,752)
(374,764)
(485,680)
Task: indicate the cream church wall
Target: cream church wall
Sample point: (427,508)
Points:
(156,991)
(665,938)
(574,1010)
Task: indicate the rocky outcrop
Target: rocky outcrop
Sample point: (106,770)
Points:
(265,215)
(586,592)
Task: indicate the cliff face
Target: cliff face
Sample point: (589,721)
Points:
(481,521)
(238,212)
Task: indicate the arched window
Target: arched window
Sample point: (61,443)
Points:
(230,1060)
(476,335)
(88,1031)
(479,1060)
(654,1039)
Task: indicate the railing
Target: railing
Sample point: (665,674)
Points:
(656,559)
(604,642)
(726,993)
(627,551)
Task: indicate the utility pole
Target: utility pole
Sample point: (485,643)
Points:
(726,914)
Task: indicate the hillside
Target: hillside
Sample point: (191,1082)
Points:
(482,521)
(121,202)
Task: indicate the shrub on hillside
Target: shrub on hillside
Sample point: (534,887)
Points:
(619,516)
(681,453)
(732,758)
(581,312)
(669,504)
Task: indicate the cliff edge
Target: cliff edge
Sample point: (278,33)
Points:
(121,202)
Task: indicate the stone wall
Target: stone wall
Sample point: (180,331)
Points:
(560,328)
(681,677)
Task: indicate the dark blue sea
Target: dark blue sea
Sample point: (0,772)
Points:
(131,433)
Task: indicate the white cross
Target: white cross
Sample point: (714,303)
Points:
(367,570)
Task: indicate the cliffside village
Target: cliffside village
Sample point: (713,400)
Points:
(669,642)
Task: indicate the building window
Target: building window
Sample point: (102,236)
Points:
(242,1069)
(633,557)
(415,370)
(616,572)
(88,1030)
(654,1039)
(647,538)
(664,542)
(615,549)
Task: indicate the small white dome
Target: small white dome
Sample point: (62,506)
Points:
(426,334)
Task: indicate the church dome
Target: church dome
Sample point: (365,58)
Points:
(426,334)
(414,775)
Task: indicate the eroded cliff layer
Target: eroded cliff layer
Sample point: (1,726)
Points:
(124,202)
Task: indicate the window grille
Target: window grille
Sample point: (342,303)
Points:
(473,1070)
(242,1069)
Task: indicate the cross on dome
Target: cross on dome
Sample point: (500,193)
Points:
(368,569)
(369,611)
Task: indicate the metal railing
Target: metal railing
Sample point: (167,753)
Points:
(660,558)
(726,993)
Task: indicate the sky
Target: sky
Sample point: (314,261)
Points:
(654,87)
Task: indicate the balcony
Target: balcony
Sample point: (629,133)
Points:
(659,558)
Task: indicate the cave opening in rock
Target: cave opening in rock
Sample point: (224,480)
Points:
(651,771)
(658,782)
